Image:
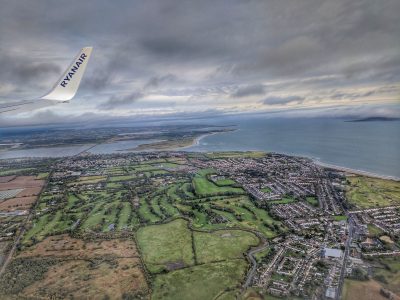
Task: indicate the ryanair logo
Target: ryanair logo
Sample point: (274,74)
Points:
(73,70)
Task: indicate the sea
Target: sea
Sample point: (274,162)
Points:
(369,146)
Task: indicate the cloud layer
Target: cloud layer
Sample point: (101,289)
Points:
(170,56)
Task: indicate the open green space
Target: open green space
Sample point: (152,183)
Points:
(312,201)
(374,230)
(340,218)
(204,187)
(222,244)
(166,246)
(43,175)
(225,182)
(387,272)
(200,282)
(366,192)
(15,171)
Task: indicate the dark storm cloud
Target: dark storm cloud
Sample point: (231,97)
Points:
(200,49)
(282,100)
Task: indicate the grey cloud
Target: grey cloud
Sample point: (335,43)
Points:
(272,100)
(250,90)
(210,46)
(21,72)
(157,81)
(116,101)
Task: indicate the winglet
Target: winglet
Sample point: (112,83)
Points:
(68,84)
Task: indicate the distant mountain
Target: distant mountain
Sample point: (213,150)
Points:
(373,119)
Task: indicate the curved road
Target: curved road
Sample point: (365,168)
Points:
(250,255)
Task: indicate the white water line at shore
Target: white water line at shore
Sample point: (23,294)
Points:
(355,171)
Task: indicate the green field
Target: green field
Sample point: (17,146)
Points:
(366,192)
(374,231)
(16,171)
(224,182)
(193,264)
(204,187)
(312,201)
(222,244)
(388,273)
(200,282)
(164,245)
(340,218)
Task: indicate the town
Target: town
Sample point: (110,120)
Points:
(291,225)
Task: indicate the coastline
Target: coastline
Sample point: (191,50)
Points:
(355,171)
(196,141)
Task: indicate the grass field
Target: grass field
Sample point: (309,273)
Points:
(365,192)
(205,187)
(389,272)
(365,290)
(43,175)
(224,182)
(167,245)
(340,218)
(223,244)
(312,201)
(373,230)
(200,282)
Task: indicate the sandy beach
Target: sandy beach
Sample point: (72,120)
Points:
(355,171)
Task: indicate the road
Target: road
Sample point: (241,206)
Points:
(14,247)
(21,233)
(346,253)
(253,269)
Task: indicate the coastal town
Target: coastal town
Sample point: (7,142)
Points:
(297,227)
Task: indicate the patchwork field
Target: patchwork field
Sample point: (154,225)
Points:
(17,203)
(64,267)
(193,264)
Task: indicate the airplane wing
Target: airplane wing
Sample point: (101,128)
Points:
(64,89)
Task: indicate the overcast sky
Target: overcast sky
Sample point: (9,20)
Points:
(202,57)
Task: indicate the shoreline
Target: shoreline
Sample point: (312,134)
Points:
(196,141)
(355,171)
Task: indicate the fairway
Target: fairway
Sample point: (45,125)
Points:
(204,187)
